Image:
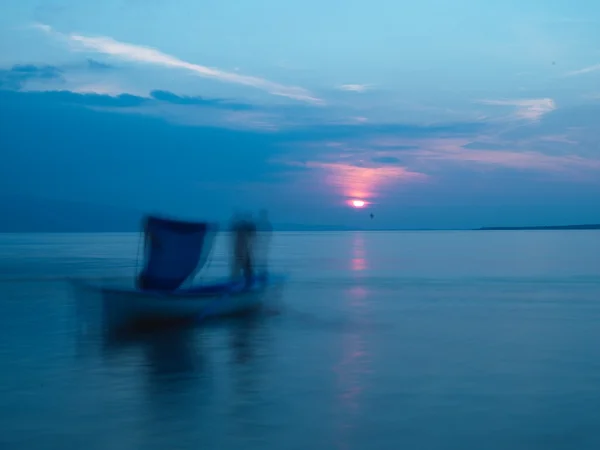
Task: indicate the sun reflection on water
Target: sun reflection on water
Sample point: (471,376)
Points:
(358,261)
(355,358)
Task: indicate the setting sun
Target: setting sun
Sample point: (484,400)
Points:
(358,203)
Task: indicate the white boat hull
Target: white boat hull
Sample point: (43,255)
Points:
(123,307)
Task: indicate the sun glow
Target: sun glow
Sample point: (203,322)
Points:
(356,203)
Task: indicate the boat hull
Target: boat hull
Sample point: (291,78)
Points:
(122,307)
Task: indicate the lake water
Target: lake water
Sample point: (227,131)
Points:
(414,340)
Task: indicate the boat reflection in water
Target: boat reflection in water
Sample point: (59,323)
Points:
(193,382)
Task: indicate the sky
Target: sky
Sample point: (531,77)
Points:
(435,114)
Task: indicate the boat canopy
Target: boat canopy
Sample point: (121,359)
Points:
(173,251)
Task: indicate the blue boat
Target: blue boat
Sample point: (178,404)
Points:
(174,252)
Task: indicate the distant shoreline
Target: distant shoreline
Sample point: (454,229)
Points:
(333,229)
(547,227)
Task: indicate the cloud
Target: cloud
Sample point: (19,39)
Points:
(453,150)
(365,167)
(100,88)
(18,75)
(105,92)
(218,116)
(436,153)
(361,181)
(173,108)
(43,27)
(103,96)
(386,160)
(97,65)
(531,109)
(47,77)
(354,87)
(170,97)
(148,55)
(585,70)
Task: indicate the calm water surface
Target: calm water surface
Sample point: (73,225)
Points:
(449,340)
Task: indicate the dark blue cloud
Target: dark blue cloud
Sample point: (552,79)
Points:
(92,64)
(18,75)
(32,71)
(367,131)
(391,160)
(53,143)
(15,77)
(66,98)
(170,97)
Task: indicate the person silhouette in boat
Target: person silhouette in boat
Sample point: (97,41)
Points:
(263,242)
(234,224)
(244,235)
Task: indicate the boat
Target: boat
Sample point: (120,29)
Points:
(174,252)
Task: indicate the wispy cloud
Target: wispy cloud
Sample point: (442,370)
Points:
(453,150)
(110,90)
(590,69)
(439,153)
(148,55)
(531,109)
(354,87)
(43,27)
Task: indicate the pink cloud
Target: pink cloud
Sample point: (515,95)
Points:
(562,138)
(531,109)
(355,181)
(366,168)
(455,149)
(416,157)
(507,159)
